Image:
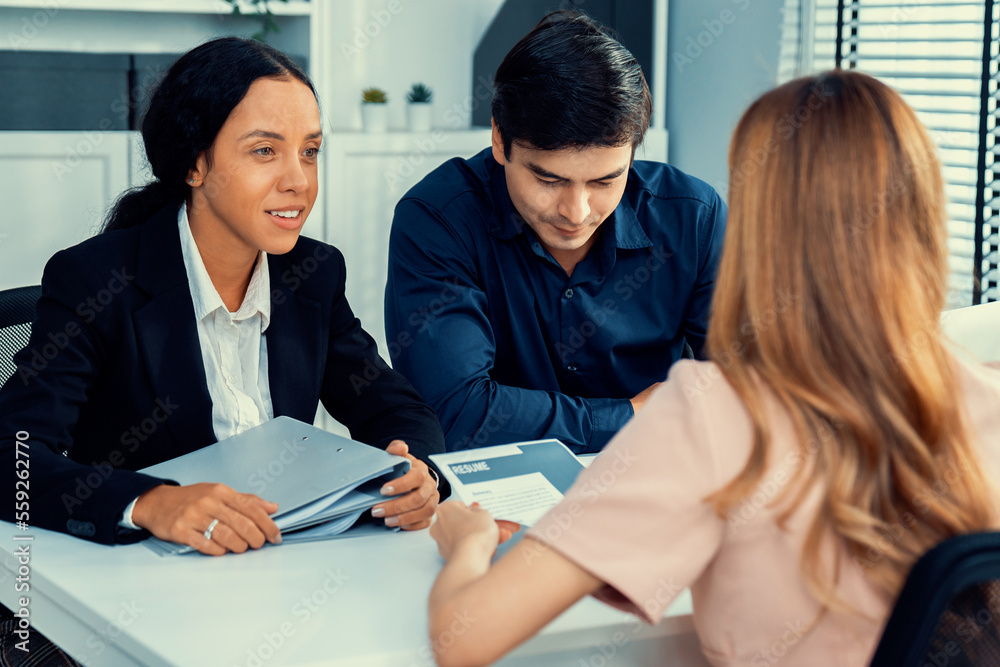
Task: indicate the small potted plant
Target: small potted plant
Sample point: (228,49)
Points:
(374,112)
(418,109)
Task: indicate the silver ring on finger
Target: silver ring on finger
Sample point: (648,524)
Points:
(211,527)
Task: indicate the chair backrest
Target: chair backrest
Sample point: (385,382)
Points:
(17,312)
(975,330)
(948,613)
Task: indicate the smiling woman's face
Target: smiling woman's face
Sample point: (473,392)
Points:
(255,186)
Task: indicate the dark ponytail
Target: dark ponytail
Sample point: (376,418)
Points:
(185,114)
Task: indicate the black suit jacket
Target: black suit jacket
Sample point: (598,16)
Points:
(113,380)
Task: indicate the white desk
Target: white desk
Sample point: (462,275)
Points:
(355,602)
(975,331)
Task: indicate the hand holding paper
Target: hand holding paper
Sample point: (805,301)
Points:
(460,526)
(518,482)
(417,491)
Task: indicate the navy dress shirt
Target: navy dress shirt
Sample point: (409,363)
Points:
(504,345)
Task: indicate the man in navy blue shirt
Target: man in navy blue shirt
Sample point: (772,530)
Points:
(542,288)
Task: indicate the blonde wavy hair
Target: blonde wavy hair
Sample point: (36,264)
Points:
(836,198)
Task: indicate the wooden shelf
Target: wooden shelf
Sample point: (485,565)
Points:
(292,8)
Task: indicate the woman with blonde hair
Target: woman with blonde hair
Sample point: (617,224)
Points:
(792,480)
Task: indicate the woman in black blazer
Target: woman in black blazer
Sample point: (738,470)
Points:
(115,376)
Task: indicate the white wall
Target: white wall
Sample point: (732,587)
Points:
(393,43)
(722,54)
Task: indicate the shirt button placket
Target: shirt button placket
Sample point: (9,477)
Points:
(567,295)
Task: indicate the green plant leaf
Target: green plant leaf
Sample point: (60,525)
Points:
(419,94)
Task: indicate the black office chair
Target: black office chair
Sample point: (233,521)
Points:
(17,312)
(948,613)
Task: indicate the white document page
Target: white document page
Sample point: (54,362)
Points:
(523,499)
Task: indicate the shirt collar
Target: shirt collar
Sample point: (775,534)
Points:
(629,234)
(206,298)
(506,222)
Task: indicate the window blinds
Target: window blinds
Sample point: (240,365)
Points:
(942,57)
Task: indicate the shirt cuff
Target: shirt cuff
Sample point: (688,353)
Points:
(126,520)
(607,416)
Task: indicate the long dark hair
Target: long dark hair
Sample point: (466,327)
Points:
(570,84)
(185,115)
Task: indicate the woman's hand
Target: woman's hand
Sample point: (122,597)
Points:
(417,491)
(469,526)
(182,514)
(507,528)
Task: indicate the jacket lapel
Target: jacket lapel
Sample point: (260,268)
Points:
(168,335)
(295,358)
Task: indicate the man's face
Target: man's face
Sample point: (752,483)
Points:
(564,195)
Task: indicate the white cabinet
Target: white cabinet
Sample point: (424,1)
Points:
(366,175)
(56,188)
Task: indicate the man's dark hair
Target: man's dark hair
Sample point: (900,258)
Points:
(570,84)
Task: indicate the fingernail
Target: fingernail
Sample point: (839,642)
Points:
(387,490)
(378,511)
(392,521)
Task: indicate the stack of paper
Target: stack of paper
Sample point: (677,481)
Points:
(322,482)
